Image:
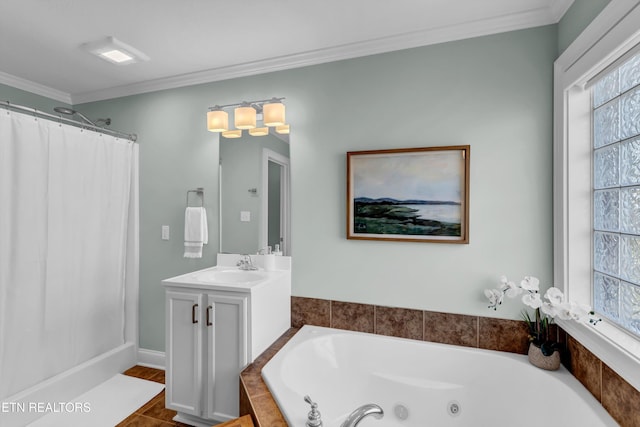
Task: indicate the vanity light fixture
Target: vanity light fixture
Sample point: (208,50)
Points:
(235,133)
(113,50)
(283,129)
(259,131)
(247,114)
(217,120)
(273,113)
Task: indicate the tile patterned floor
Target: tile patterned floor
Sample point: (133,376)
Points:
(153,413)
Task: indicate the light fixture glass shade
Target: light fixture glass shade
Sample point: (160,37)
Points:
(283,129)
(235,133)
(245,117)
(259,131)
(217,121)
(273,114)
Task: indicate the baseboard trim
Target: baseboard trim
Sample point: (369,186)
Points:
(151,358)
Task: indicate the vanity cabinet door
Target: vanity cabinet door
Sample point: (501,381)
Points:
(184,320)
(227,340)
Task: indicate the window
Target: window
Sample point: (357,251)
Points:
(597,184)
(616,195)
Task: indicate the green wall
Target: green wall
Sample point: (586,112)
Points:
(576,19)
(493,93)
(28,99)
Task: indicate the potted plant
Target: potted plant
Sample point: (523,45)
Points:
(543,350)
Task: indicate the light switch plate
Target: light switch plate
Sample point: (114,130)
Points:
(165,232)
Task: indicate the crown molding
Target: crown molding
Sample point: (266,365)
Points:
(528,19)
(558,8)
(512,22)
(35,88)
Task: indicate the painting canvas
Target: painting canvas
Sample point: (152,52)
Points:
(413,194)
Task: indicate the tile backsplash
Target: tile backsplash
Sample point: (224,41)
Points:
(617,396)
(447,328)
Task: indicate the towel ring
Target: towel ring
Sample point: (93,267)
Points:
(199,191)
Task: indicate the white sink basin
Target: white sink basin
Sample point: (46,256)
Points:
(230,276)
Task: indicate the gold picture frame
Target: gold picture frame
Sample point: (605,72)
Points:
(409,194)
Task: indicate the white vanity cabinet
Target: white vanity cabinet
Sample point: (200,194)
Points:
(214,330)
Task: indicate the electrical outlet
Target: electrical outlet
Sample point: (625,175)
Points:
(245,216)
(165,232)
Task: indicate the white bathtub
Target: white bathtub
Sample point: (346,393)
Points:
(66,386)
(420,384)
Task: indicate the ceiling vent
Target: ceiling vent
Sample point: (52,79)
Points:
(113,50)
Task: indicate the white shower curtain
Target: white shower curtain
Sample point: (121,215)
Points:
(65,195)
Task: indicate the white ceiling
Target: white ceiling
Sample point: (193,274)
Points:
(196,41)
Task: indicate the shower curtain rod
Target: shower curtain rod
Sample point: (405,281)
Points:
(6,104)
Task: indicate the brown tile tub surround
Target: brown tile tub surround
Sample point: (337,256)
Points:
(399,322)
(503,335)
(255,398)
(310,311)
(617,396)
(620,398)
(446,328)
(585,366)
(352,316)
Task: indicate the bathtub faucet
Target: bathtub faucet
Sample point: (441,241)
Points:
(363,411)
(314,418)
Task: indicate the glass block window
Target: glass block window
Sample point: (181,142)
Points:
(616,196)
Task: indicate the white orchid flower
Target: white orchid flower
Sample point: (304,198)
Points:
(563,311)
(554,295)
(553,306)
(494,296)
(513,291)
(530,283)
(533,300)
(509,288)
(579,311)
(548,309)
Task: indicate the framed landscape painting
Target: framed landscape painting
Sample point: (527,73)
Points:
(409,194)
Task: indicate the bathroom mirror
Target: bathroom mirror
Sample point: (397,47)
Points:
(254,193)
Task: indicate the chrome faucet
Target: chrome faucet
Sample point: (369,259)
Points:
(314,419)
(365,410)
(245,263)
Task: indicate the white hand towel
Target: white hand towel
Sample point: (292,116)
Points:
(196,233)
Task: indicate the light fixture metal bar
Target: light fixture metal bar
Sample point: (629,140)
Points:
(258,102)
